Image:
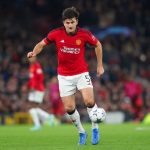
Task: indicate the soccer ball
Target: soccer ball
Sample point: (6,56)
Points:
(97,115)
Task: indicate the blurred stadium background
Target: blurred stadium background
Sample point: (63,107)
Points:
(122,26)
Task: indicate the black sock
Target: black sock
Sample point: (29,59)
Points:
(71,112)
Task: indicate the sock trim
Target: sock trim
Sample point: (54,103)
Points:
(91,106)
(71,112)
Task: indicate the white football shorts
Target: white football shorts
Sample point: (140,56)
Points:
(36,96)
(68,85)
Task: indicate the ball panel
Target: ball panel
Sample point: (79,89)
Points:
(97,115)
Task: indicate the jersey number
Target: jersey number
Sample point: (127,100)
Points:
(88,80)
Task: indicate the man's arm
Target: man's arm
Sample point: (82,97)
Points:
(99,55)
(37,49)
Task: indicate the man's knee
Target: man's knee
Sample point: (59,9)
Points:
(69,109)
(89,103)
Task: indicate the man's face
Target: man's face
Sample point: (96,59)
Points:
(70,25)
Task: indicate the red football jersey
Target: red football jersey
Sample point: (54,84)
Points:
(36,77)
(71,49)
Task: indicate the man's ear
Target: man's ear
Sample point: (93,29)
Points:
(77,21)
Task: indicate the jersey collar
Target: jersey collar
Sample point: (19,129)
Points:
(71,34)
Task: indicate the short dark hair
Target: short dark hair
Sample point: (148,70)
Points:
(69,13)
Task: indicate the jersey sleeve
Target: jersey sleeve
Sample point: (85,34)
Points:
(90,38)
(50,37)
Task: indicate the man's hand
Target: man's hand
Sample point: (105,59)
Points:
(100,70)
(31,54)
(37,49)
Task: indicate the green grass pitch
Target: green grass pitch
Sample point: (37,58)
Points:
(65,137)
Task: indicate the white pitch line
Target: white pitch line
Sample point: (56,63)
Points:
(142,128)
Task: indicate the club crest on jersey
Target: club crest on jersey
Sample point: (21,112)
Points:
(78,42)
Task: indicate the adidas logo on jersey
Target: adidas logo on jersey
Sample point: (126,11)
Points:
(62,41)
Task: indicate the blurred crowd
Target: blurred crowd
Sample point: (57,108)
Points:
(125,85)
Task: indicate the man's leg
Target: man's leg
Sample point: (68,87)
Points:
(88,97)
(69,105)
(32,105)
(35,118)
(43,115)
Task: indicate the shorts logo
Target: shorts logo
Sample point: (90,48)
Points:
(78,42)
